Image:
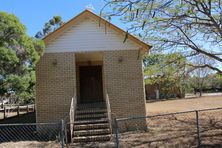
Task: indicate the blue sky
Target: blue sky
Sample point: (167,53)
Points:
(34,13)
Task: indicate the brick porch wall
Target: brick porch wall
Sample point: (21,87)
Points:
(55,86)
(125,87)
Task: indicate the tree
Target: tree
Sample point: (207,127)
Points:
(200,74)
(166,73)
(202,80)
(198,79)
(50,26)
(18,56)
(191,27)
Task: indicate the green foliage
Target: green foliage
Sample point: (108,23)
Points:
(210,82)
(50,26)
(12,30)
(18,56)
(8,61)
(22,86)
(166,72)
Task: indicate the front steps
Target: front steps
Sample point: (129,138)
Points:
(91,123)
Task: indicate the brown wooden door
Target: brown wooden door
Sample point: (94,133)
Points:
(91,86)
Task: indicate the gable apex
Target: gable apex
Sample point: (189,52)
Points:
(88,14)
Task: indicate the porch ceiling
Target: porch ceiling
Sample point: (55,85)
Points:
(84,57)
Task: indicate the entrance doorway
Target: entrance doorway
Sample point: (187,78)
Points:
(91,85)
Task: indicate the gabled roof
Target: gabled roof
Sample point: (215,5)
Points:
(90,14)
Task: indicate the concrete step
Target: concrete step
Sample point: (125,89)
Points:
(91,126)
(91,123)
(92,132)
(96,121)
(90,116)
(99,138)
(102,144)
(90,111)
(100,105)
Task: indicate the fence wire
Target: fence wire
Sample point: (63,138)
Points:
(181,129)
(30,132)
(210,123)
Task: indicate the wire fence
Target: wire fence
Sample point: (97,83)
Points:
(182,129)
(40,132)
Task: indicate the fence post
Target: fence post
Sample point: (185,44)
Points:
(2,105)
(62,133)
(66,137)
(116,132)
(27,108)
(18,110)
(4,113)
(198,130)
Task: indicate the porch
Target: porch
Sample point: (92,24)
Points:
(89,77)
(90,116)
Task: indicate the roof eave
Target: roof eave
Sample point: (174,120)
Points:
(50,36)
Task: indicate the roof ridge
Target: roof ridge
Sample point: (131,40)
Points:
(63,27)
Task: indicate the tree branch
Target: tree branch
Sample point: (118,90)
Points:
(195,47)
(206,66)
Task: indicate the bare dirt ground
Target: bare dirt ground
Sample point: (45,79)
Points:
(184,104)
(171,131)
(30,144)
(179,130)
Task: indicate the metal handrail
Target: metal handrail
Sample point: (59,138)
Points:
(72,115)
(109,111)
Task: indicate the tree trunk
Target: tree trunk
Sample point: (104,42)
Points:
(200,92)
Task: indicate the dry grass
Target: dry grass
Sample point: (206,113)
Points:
(184,105)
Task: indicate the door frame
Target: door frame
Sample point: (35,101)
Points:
(91,63)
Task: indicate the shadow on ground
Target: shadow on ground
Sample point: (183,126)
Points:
(23,118)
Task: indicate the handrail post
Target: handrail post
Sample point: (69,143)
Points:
(198,130)
(109,111)
(72,116)
(71,119)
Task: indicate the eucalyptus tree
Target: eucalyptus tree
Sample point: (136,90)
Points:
(191,27)
(18,56)
(50,26)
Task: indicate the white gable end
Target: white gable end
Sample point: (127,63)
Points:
(87,35)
